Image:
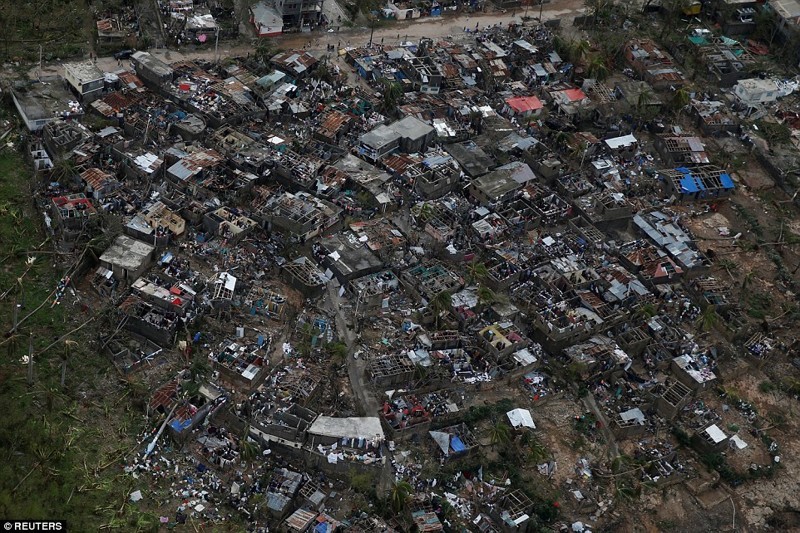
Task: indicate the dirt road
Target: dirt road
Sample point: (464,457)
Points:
(365,400)
(316,43)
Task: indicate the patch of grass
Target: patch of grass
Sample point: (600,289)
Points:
(776,418)
(579,443)
(715,461)
(750,219)
(766,386)
(667,525)
(774,133)
(759,304)
(682,437)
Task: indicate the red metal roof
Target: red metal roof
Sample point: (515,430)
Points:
(575,95)
(164,396)
(96,178)
(524,104)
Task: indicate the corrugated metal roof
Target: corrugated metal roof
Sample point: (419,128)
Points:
(300,520)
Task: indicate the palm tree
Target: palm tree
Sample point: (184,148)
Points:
(579,50)
(645,99)
(248,449)
(499,433)
(338,353)
(624,490)
(537,451)
(439,304)
(200,369)
(477,271)
(647,310)
(265,50)
(562,46)
(486,296)
(765,29)
(424,212)
(621,463)
(65,356)
(729,266)
(595,7)
(399,495)
(420,373)
(672,10)
(611,47)
(307,334)
(708,318)
(579,151)
(392,95)
(597,68)
(561,139)
(63,172)
(679,100)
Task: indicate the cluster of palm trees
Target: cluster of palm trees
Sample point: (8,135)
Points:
(392,97)
(580,52)
(528,447)
(477,272)
(598,65)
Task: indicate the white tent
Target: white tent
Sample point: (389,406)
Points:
(521,418)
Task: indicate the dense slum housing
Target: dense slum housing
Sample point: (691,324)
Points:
(353,278)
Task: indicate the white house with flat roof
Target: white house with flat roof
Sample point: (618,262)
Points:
(85,79)
(753,92)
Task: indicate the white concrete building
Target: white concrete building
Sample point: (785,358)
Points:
(85,79)
(753,92)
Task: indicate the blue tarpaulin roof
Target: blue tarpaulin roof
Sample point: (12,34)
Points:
(457,445)
(179,425)
(727,182)
(690,184)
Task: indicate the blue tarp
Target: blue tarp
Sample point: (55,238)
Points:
(457,445)
(727,182)
(690,184)
(179,426)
